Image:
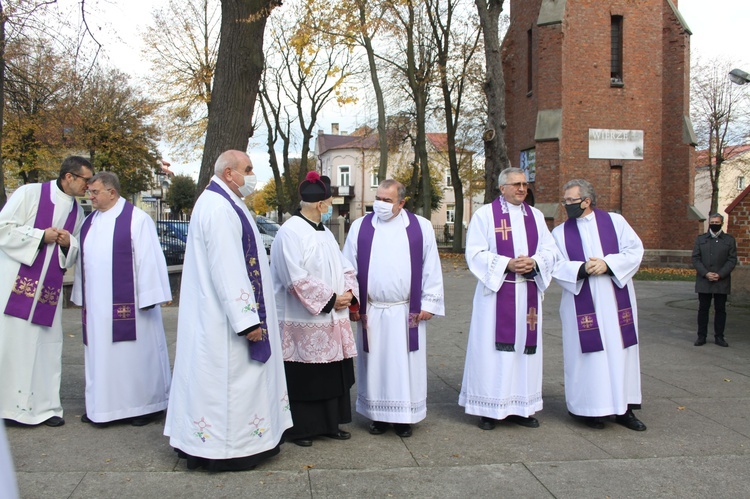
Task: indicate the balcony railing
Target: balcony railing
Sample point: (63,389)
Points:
(343,190)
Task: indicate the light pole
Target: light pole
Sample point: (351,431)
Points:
(739,77)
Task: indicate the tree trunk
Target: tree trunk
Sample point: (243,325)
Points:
(495,150)
(382,120)
(3,196)
(239,65)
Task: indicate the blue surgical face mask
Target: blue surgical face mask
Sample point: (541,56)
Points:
(327,215)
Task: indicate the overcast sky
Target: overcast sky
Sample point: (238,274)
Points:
(718,28)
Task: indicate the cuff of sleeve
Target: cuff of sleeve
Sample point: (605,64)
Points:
(329,305)
(249,330)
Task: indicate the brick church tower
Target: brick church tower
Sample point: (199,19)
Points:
(599,89)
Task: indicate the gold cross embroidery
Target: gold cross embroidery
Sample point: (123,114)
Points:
(627,316)
(504,228)
(587,321)
(123,312)
(531,318)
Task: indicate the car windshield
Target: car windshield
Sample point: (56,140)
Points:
(269,226)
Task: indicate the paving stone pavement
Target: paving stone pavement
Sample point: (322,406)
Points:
(696,403)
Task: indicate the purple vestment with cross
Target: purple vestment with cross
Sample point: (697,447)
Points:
(505,304)
(364,250)
(25,287)
(586,317)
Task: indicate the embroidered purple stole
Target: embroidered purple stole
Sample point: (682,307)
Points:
(123,282)
(24,290)
(588,324)
(259,350)
(505,304)
(364,249)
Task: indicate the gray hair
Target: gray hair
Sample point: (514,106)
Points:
(400,189)
(503,177)
(228,159)
(716,215)
(308,204)
(585,187)
(108,180)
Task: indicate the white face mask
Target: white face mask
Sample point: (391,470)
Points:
(383,210)
(248,187)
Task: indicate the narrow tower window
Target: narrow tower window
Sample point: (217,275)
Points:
(616,71)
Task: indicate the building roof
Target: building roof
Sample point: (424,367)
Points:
(738,199)
(730,152)
(327,142)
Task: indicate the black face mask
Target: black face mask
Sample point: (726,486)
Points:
(574,210)
(715,228)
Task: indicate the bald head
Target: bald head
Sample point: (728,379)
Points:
(231,159)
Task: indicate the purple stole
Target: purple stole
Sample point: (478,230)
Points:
(123,282)
(364,249)
(259,350)
(505,304)
(588,325)
(24,290)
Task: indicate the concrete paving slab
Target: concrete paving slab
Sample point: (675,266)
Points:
(48,483)
(505,480)
(685,477)
(197,485)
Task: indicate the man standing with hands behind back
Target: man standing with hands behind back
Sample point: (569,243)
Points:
(714,258)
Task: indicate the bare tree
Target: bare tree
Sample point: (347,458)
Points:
(720,115)
(495,149)
(182,44)
(239,65)
(455,47)
(305,72)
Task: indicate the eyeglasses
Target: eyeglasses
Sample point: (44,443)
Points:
(519,185)
(571,201)
(80,176)
(96,192)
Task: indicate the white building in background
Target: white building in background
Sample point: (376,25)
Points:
(152,201)
(733,179)
(351,161)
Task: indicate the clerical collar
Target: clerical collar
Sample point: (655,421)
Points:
(318,226)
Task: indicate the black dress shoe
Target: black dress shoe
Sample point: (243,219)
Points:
(719,340)
(487,423)
(340,435)
(595,423)
(303,442)
(55,421)
(700,341)
(145,419)
(402,430)
(529,422)
(628,420)
(378,428)
(85,419)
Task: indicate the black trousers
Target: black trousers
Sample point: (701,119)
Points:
(720,313)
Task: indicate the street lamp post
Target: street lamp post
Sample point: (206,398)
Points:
(739,77)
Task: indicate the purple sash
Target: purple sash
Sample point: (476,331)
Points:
(123,282)
(364,249)
(259,350)
(588,324)
(25,288)
(505,301)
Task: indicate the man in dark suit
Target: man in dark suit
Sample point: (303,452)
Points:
(714,258)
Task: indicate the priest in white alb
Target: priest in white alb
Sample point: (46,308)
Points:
(400,289)
(314,286)
(121,282)
(228,407)
(601,254)
(38,241)
(512,254)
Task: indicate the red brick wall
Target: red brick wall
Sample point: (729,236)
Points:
(572,72)
(739,227)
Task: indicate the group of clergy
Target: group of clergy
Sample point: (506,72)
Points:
(265,351)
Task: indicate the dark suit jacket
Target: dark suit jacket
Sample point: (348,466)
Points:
(714,254)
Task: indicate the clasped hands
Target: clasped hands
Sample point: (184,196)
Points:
(712,276)
(596,266)
(59,236)
(522,264)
